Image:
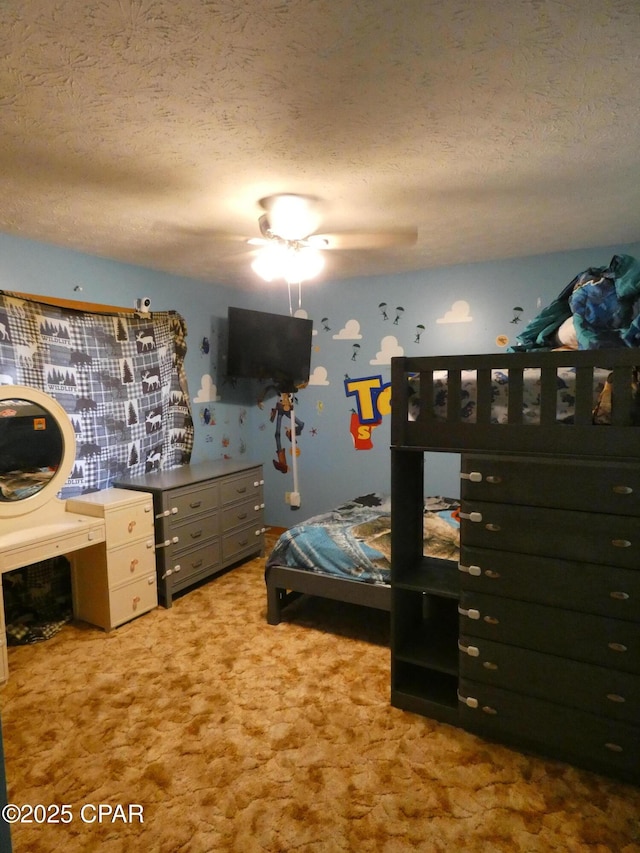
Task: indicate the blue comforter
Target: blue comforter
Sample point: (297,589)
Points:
(604,303)
(354,540)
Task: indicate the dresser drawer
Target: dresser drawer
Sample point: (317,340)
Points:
(597,742)
(604,590)
(133,599)
(596,689)
(241,515)
(129,562)
(239,543)
(240,487)
(190,501)
(191,532)
(567,633)
(189,565)
(596,538)
(590,486)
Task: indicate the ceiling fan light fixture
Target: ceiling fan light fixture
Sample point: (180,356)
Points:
(293,264)
(290,216)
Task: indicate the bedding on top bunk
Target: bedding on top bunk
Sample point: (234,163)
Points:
(353,541)
(566,380)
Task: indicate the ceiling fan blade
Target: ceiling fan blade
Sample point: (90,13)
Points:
(397,237)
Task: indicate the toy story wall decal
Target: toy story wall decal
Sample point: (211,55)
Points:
(284,408)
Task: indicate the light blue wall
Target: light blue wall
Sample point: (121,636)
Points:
(330,468)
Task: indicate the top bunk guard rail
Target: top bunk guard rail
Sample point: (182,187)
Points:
(620,438)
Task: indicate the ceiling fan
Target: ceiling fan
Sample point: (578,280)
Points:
(293,220)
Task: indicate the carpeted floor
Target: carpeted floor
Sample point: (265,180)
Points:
(231,735)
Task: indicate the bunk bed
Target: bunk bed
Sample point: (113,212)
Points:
(533,638)
(542,402)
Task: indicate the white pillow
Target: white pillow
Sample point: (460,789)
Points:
(566,334)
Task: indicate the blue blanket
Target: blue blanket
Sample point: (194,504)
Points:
(354,540)
(604,303)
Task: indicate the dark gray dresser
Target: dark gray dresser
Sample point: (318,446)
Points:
(208,516)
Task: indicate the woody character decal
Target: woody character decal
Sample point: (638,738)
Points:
(282,409)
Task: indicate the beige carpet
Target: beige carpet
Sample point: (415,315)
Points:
(236,736)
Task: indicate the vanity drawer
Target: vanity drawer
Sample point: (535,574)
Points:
(589,486)
(597,742)
(596,538)
(596,689)
(129,523)
(133,599)
(190,501)
(240,487)
(605,590)
(129,562)
(567,633)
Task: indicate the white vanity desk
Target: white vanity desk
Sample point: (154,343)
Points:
(40,526)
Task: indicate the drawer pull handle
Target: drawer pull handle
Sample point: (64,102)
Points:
(487,709)
(133,565)
(471,613)
(476,571)
(196,534)
(619,596)
(494,479)
(135,602)
(492,528)
(472,651)
(615,697)
(617,647)
(469,701)
(471,516)
(491,574)
(197,564)
(621,543)
(491,620)
(195,504)
(242,516)
(243,542)
(472,476)
(131,526)
(623,490)
(490,665)
(241,490)
(613,747)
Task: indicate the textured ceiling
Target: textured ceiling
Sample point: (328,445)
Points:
(147,130)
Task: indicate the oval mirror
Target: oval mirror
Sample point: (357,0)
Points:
(37,449)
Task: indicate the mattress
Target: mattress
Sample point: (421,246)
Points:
(353,541)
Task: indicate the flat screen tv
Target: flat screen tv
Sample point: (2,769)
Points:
(273,347)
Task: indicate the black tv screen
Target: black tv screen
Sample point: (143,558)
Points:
(266,346)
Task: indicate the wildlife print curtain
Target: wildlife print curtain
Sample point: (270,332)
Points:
(119,376)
